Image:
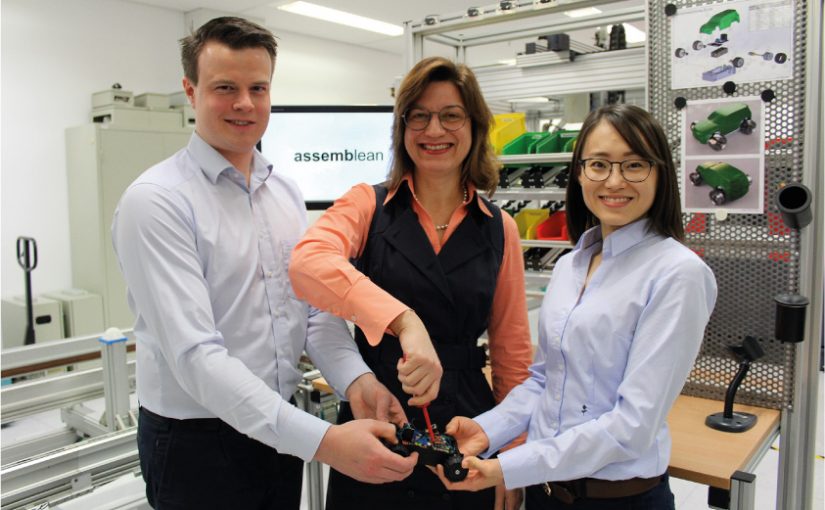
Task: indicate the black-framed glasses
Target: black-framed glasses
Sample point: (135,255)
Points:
(452,118)
(633,170)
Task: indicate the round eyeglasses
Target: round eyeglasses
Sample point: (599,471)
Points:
(452,118)
(632,170)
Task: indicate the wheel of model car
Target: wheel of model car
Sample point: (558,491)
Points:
(738,62)
(698,45)
(400,449)
(747,126)
(453,470)
(717,141)
(680,52)
(407,434)
(695,178)
(780,58)
(718,197)
(767,56)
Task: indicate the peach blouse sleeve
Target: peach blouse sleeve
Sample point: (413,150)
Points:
(511,351)
(322,274)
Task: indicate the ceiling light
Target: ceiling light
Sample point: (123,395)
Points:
(579,13)
(342,18)
(508,62)
(537,99)
(633,34)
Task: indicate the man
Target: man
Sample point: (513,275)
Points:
(204,240)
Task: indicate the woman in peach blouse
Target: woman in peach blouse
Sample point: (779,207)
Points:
(434,265)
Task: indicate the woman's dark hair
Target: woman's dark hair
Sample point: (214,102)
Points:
(480,167)
(236,33)
(645,136)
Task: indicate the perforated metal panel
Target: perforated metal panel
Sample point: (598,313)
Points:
(754,256)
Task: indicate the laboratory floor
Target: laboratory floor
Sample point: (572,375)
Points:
(689,496)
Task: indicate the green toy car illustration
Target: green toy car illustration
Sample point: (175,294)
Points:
(720,21)
(721,122)
(728,182)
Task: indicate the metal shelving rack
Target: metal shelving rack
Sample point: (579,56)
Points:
(593,72)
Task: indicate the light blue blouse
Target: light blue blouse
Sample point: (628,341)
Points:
(610,361)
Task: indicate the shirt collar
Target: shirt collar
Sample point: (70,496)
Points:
(471,193)
(213,164)
(620,240)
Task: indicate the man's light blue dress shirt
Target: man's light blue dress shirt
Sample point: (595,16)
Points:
(610,361)
(219,329)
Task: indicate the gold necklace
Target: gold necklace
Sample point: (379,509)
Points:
(463,201)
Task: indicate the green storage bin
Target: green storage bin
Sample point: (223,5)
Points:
(524,144)
(560,141)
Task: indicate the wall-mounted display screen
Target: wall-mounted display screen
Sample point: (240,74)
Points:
(329,149)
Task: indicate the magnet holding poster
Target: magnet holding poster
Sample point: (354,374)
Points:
(722,155)
(742,41)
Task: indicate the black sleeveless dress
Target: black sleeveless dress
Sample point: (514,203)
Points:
(452,293)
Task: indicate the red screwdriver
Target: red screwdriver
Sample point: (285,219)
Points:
(426,415)
(429,425)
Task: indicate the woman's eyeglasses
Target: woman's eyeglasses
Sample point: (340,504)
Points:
(633,170)
(452,118)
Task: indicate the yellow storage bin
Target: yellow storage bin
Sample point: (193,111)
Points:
(506,127)
(528,219)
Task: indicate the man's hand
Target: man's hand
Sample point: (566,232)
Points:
(483,474)
(469,435)
(420,369)
(368,398)
(355,449)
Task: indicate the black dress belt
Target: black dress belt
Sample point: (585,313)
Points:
(194,424)
(570,491)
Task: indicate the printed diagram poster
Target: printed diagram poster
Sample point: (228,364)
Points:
(732,41)
(723,161)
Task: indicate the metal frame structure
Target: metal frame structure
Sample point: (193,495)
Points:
(601,71)
(796,481)
(449,30)
(788,380)
(59,466)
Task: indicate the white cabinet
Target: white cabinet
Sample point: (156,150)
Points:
(102,160)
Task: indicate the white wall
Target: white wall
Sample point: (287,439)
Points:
(55,54)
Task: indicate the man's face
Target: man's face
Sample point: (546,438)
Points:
(231,100)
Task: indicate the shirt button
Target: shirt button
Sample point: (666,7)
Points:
(269,274)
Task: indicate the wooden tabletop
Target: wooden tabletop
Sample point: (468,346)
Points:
(707,456)
(321,385)
(701,454)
